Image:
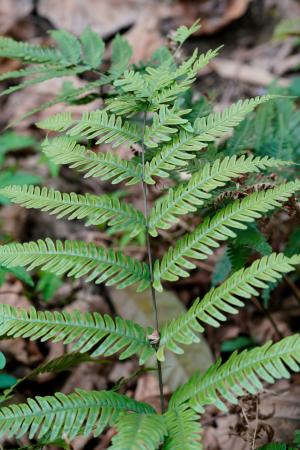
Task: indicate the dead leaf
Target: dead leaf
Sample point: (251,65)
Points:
(138,307)
(105,17)
(11,11)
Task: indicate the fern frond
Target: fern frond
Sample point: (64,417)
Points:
(28,71)
(87,332)
(187,197)
(92,48)
(183,33)
(176,153)
(77,259)
(68,45)
(207,235)
(184,429)
(226,298)
(95,209)
(125,105)
(241,373)
(219,124)
(81,412)
(9,48)
(133,81)
(164,124)
(47,75)
(139,432)
(108,128)
(106,166)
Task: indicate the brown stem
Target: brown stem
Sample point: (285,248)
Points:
(150,261)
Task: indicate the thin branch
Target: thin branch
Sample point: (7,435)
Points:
(150,260)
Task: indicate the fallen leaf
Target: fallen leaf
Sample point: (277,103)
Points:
(138,307)
(104,17)
(11,11)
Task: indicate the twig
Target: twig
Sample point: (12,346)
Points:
(150,260)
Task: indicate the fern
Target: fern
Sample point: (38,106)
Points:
(139,432)
(81,413)
(183,32)
(226,298)
(106,166)
(183,425)
(186,198)
(77,259)
(242,373)
(149,106)
(92,125)
(198,244)
(100,335)
(96,210)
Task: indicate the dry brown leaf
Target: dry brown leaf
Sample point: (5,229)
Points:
(105,17)
(13,10)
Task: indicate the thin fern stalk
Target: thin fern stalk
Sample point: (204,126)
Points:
(150,260)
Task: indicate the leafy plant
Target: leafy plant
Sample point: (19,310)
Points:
(144,111)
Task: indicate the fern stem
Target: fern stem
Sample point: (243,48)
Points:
(150,261)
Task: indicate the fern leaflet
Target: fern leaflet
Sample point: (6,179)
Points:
(87,332)
(79,413)
(139,432)
(77,259)
(241,373)
(187,197)
(184,429)
(198,244)
(223,299)
(95,209)
(107,166)
(93,124)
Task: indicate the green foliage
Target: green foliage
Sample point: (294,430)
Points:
(242,373)
(139,432)
(79,413)
(98,334)
(198,244)
(184,429)
(48,285)
(77,259)
(106,166)
(2,360)
(149,110)
(183,32)
(226,298)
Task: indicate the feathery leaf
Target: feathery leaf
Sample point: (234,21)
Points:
(87,332)
(77,259)
(207,235)
(106,166)
(184,429)
(79,413)
(226,298)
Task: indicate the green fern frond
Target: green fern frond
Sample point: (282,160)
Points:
(106,166)
(125,105)
(219,124)
(108,128)
(46,75)
(139,432)
(188,197)
(77,259)
(81,412)
(184,429)
(242,373)
(226,298)
(92,48)
(176,153)
(183,33)
(28,53)
(87,332)
(164,124)
(68,45)
(95,209)
(207,235)
(134,82)
(28,71)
